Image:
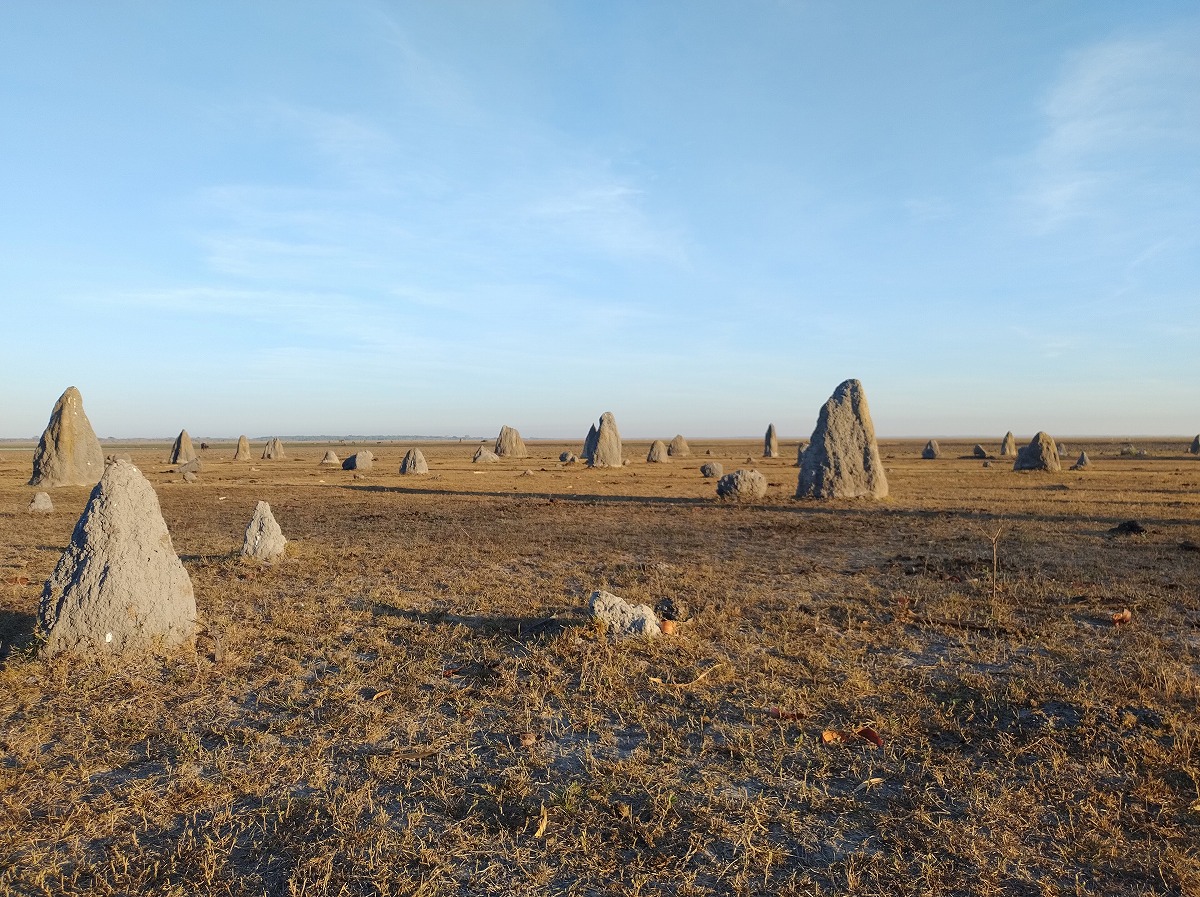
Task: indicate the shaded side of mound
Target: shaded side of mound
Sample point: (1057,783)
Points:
(509,444)
(932,450)
(589,444)
(68,453)
(119,585)
(1040,454)
(842,459)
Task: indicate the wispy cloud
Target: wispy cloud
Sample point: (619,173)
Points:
(1122,126)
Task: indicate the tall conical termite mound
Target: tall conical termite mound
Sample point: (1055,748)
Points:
(243,449)
(770,443)
(119,585)
(842,459)
(69,453)
(182,451)
(679,447)
(509,444)
(1040,454)
(607,450)
(1008,446)
(274,450)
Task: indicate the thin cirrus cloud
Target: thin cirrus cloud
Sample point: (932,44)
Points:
(1122,125)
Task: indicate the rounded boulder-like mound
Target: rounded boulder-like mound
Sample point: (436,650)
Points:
(679,447)
(483,456)
(414,462)
(119,585)
(41,504)
(742,485)
(711,470)
(330,460)
(1040,454)
(360,460)
(509,444)
(658,453)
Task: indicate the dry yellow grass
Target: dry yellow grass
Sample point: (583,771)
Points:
(412,702)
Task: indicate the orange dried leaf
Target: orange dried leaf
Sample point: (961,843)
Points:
(839,736)
(1122,617)
(780,713)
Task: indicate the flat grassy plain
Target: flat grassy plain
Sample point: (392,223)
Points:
(413,702)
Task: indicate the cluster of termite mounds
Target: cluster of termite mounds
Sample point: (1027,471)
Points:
(119,585)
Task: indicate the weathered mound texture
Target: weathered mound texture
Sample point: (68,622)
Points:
(1008,446)
(932,450)
(119,585)
(842,458)
(192,466)
(414,462)
(1083,462)
(589,444)
(568,457)
(41,504)
(711,470)
(274,450)
(182,451)
(361,460)
(679,447)
(264,539)
(483,456)
(658,453)
(979,451)
(69,453)
(330,459)
(1195,447)
(607,452)
(621,618)
(243,449)
(1040,454)
(770,443)
(509,444)
(742,485)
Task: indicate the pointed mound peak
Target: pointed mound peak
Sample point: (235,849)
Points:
(842,459)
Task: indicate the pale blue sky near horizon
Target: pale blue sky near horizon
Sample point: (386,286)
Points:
(394,218)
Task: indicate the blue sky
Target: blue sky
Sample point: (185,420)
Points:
(372,217)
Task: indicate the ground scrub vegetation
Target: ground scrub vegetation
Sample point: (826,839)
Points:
(412,699)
